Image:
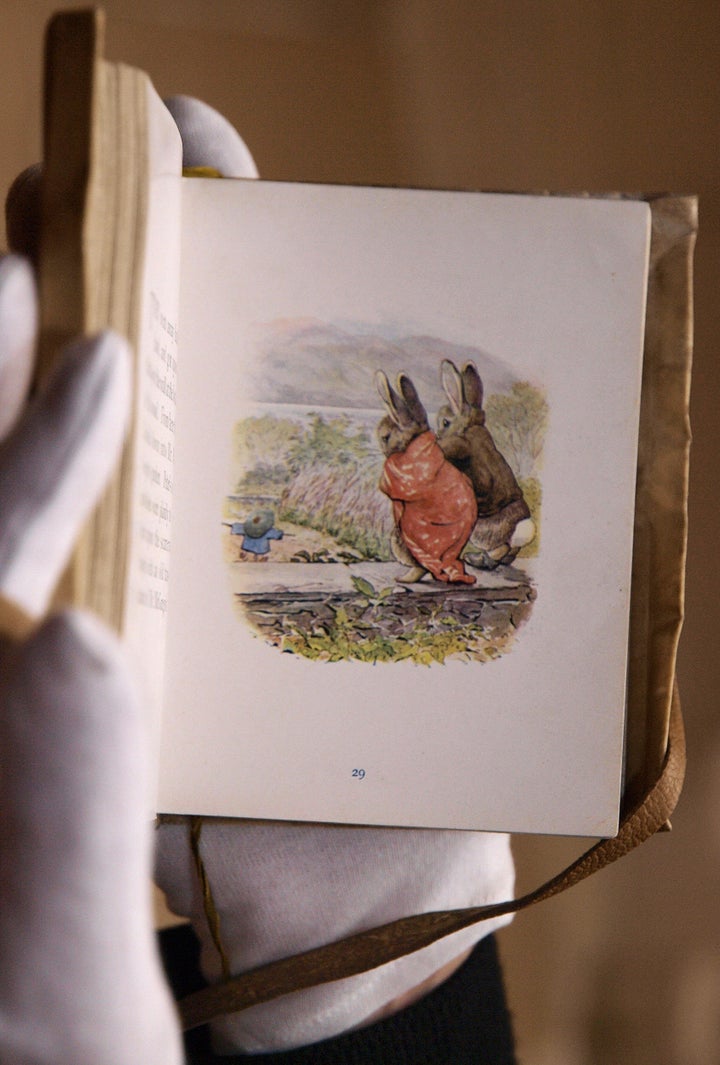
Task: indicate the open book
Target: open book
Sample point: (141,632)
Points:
(371,544)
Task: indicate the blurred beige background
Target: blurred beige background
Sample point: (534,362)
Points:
(502,94)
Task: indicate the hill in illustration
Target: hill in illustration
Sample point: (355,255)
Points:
(306,361)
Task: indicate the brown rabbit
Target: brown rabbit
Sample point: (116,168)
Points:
(504,524)
(433,503)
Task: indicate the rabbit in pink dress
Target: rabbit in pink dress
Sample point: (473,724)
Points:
(433,502)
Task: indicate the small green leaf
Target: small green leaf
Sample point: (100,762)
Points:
(363,586)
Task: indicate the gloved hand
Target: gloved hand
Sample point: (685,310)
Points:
(80,982)
(281,889)
(278,889)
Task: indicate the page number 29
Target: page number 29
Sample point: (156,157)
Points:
(359,774)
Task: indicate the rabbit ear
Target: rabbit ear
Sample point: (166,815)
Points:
(388,396)
(413,405)
(452,384)
(472,386)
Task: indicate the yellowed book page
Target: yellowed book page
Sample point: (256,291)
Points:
(308,677)
(144,622)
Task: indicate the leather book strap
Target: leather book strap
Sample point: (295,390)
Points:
(377,946)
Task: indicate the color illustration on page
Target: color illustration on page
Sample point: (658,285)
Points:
(386,496)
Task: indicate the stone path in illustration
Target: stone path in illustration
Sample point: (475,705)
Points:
(336,578)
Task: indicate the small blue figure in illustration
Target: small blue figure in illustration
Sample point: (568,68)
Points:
(257,531)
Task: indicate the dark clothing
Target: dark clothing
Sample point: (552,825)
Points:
(464,1021)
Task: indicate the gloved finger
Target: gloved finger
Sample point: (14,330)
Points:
(209,139)
(55,463)
(80,981)
(18,329)
(22,213)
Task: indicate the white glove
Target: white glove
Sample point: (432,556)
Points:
(282,889)
(80,982)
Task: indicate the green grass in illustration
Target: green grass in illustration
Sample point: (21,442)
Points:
(364,632)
